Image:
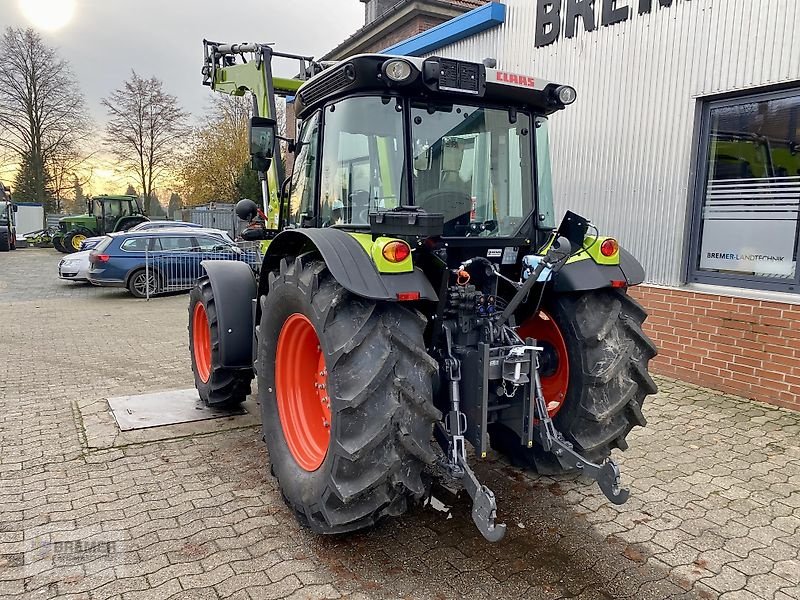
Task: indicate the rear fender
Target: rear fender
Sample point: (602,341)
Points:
(347,262)
(234,290)
(586,274)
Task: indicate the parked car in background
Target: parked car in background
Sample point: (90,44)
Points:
(91,242)
(74,267)
(164,260)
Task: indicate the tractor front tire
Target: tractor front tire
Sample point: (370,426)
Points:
(345,385)
(5,240)
(58,244)
(73,240)
(217,385)
(608,355)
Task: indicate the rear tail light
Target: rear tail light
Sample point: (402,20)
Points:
(98,258)
(396,251)
(609,247)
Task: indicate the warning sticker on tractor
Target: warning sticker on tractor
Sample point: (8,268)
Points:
(494,253)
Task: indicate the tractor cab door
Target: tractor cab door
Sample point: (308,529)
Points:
(363,159)
(130,215)
(113,212)
(300,209)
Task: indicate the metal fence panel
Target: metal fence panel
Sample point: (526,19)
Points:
(215,218)
(178,270)
(52,220)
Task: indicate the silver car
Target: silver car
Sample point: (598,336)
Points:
(75,267)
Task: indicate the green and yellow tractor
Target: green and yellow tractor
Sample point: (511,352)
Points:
(105,214)
(416,297)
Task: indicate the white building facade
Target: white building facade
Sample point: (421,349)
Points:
(685,144)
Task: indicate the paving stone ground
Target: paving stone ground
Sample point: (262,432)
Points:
(714,510)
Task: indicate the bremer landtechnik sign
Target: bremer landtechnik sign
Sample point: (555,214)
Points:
(550,13)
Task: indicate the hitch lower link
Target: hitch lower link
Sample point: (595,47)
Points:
(606,475)
(451,438)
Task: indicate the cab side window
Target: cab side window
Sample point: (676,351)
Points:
(304,176)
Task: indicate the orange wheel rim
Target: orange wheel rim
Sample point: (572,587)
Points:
(201,342)
(553,360)
(301,381)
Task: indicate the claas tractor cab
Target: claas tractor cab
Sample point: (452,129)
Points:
(416,297)
(8,229)
(104,214)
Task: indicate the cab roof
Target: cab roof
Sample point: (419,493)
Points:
(436,78)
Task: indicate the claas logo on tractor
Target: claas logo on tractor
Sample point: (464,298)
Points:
(414,298)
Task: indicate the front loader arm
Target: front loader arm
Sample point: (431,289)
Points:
(224,74)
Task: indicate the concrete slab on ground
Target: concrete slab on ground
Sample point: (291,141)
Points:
(169,407)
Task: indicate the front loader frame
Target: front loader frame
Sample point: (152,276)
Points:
(222,73)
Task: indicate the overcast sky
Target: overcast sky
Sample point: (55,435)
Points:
(105,39)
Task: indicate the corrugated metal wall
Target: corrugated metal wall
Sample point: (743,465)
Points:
(623,153)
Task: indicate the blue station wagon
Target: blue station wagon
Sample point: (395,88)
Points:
(165,260)
(91,242)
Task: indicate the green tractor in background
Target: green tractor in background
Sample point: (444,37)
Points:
(8,233)
(105,214)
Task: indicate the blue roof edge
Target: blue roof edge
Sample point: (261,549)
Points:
(463,26)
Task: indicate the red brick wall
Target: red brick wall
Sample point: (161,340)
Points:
(745,347)
(416,25)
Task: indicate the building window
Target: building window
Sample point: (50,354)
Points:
(748,195)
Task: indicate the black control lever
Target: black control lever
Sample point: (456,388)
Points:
(559,250)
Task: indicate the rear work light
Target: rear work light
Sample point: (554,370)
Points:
(609,247)
(566,94)
(396,251)
(398,70)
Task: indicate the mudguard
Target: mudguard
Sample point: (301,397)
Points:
(586,274)
(234,290)
(347,261)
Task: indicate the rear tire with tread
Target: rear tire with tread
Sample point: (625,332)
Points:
(5,240)
(225,387)
(380,387)
(608,382)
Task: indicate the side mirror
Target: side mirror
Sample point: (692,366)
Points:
(14,207)
(262,136)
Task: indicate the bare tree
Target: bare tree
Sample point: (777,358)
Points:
(144,127)
(42,112)
(69,166)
